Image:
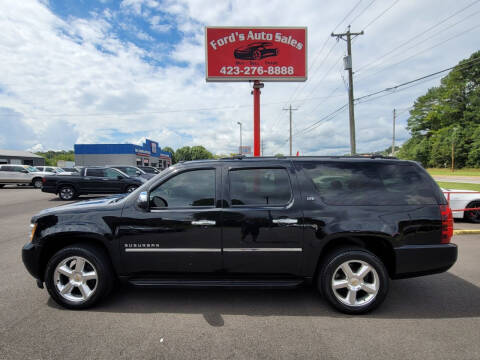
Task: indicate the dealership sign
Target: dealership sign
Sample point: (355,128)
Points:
(256,53)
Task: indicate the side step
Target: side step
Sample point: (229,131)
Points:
(228,283)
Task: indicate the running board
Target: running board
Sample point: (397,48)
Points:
(189,283)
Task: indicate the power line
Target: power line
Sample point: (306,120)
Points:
(321,49)
(474,61)
(396,48)
(421,52)
(380,15)
(361,12)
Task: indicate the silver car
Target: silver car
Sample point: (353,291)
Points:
(21,175)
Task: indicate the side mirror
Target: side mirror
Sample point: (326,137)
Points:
(138,172)
(119,177)
(24,171)
(142,200)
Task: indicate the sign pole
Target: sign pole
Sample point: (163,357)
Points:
(257,85)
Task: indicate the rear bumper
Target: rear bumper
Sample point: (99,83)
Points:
(31,259)
(418,260)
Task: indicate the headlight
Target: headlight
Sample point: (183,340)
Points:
(33,229)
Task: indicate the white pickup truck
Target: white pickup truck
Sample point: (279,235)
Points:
(21,174)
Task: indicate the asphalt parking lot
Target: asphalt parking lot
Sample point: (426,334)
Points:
(434,317)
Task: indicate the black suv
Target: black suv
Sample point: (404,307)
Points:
(347,225)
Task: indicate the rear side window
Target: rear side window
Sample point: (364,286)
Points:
(95,172)
(363,183)
(260,187)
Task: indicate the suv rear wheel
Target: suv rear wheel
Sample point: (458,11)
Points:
(353,281)
(78,276)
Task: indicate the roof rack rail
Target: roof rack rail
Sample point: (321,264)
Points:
(234,157)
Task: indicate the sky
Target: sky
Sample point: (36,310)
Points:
(111,71)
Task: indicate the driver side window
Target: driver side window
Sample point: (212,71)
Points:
(185,190)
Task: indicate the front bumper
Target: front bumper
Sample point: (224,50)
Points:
(418,260)
(31,258)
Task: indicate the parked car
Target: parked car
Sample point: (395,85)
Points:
(251,222)
(255,51)
(21,175)
(149,169)
(133,171)
(91,180)
(54,169)
(71,169)
(463,199)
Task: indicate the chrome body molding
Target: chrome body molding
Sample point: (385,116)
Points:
(213,250)
(262,249)
(171,250)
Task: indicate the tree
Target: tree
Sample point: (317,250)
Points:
(454,104)
(200,153)
(171,151)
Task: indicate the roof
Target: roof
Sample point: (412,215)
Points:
(19,153)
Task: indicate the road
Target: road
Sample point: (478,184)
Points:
(434,317)
(458,179)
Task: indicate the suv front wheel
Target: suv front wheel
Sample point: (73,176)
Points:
(79,276)
(353,281)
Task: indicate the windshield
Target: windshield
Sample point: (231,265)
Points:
(31,169)
(60,170)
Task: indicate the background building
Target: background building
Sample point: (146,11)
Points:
(147,154)
(20,158)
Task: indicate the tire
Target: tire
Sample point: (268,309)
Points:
(350,296)
(130,188)
(37,183)
(473,216)
(67,192)
(79,289)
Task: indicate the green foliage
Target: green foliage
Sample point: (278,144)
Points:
(171,151)
(445,114)
(51,157)
(187,153)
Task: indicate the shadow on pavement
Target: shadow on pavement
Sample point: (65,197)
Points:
(437,296)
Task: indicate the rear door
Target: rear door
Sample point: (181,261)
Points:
(262,220)
(93,181)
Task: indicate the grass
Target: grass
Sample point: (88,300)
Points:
(459,186)
(457,172)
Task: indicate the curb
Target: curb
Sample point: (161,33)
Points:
(465,232)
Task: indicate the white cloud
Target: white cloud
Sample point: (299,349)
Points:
(75,81)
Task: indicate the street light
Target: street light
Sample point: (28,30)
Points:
(240,148)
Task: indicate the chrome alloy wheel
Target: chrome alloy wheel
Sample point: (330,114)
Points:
(355,283)
(75,279)
(66,193)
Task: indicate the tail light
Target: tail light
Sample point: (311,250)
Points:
(447,223)
(44,180)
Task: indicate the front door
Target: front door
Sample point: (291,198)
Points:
(262,223)
(181,230)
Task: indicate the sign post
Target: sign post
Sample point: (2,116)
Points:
(256,54)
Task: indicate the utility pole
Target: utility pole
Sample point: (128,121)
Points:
(348,66)
(289,109)
(393,134)
(240,148)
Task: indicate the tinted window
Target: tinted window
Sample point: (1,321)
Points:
(259,187)
(362,183)
(128,170)
(95,172)
(188,189)
(112,173)
(7,168)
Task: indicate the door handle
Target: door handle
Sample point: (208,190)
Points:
(285,221)
(204,222)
